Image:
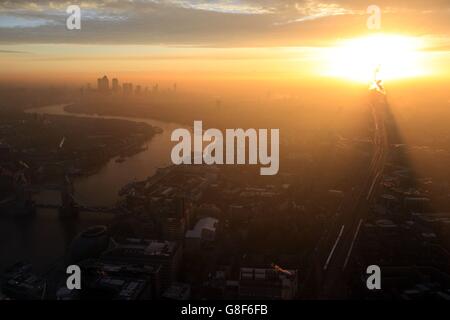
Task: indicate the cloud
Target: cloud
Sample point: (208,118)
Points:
(213,23)
(17,21)
(234,7)
(13,52)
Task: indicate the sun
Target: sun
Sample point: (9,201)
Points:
(389,56)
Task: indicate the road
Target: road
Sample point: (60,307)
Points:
(333,253)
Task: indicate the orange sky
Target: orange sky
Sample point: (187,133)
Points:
(204,40)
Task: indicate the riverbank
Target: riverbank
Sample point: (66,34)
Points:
(101,188)
(53,145)
(43,238)
(119,108)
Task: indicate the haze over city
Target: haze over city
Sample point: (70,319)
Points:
(357,199)
(200,42)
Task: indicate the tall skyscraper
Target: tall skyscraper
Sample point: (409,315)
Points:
(115,85)
(103,84)
(127,88)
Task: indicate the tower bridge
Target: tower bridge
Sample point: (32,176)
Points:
(70,206)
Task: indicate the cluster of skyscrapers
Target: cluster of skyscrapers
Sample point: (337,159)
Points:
(103,86)
(127,88)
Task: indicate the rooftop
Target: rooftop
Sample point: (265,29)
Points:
(144,247)
(207,223)
(178,291)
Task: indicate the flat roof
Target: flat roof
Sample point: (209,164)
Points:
(208,223)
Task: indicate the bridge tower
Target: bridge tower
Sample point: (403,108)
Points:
(68,206)
(24,204)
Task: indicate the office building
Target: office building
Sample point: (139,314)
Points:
(127,89)
(166,254)
(115,85)
(273,283)
(103,84)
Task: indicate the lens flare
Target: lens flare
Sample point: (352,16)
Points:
(394,56)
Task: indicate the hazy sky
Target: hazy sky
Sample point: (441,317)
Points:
(222,36)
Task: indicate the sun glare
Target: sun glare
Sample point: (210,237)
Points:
(393,56)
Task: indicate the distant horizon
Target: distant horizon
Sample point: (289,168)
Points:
(245,40)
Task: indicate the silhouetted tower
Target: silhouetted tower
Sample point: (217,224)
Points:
(68,206)
(127,88)
(115,85)
(24,202)
(103,84)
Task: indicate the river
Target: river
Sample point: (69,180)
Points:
(43,239)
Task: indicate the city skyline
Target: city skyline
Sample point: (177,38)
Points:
(299,40)
(212,152)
